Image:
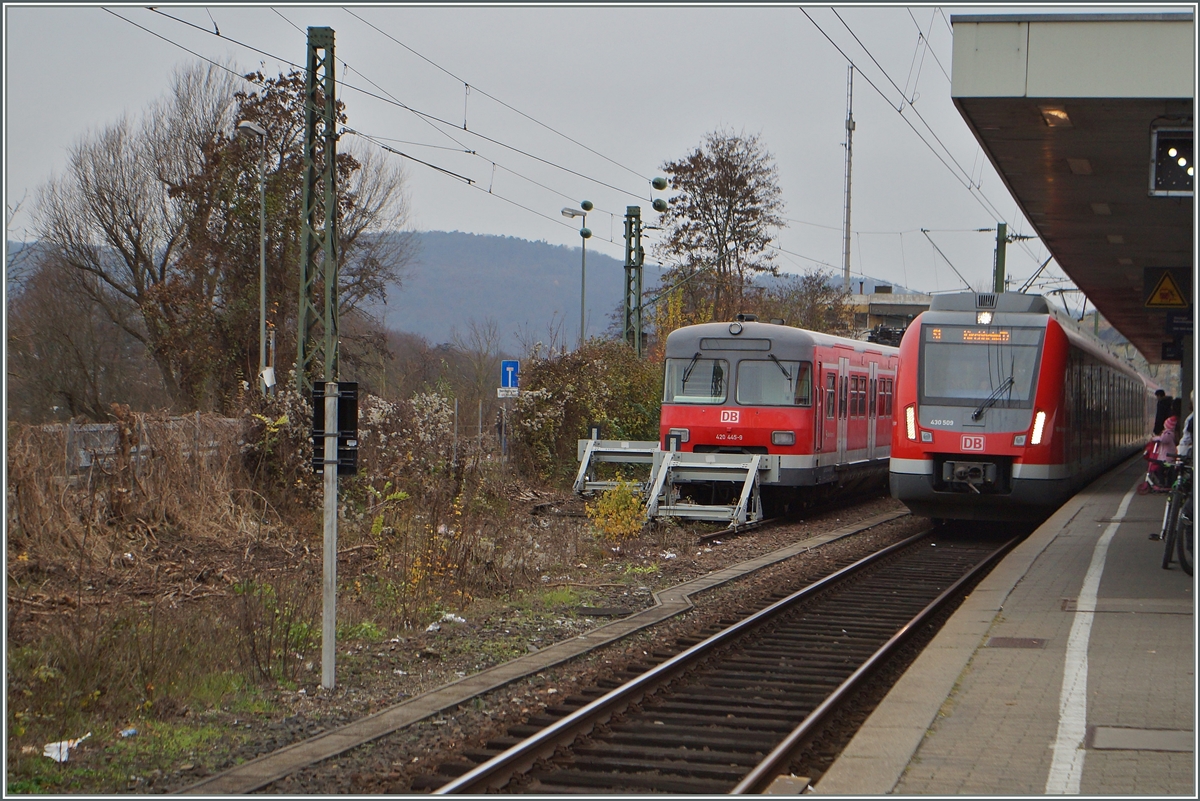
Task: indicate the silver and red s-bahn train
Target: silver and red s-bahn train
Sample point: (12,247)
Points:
(1005,409)
(817,407)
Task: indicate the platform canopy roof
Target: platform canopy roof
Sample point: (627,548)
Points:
(1065,107)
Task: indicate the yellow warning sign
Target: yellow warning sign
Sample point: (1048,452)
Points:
(1166,294)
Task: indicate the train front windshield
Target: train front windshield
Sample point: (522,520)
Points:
(696,380)
(968,365)
(774,383)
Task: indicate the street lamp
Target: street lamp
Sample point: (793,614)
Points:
(266,382)
(585,234)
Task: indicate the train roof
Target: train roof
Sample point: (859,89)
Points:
(1021,303)
(689,337)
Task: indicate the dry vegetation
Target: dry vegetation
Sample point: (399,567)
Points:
(174,584)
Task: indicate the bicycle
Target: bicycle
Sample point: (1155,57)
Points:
(1177,523)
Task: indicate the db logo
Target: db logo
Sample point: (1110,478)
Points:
(972,443)
(732,415)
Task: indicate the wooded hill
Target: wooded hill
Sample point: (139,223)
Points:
(524,286)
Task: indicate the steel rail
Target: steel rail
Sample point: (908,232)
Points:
(758,779)
(496,772)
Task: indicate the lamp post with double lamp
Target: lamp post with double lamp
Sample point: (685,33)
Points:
(266,382)
(585,234)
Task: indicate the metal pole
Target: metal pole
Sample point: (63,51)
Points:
(262,266)
(849,152)
(582,285)
(1001,241)
(329,583)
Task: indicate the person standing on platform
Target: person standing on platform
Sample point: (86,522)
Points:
(1162,411)
(1185,440)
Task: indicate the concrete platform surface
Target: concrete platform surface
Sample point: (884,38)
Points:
(1069,670)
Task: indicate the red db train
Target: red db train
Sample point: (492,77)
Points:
(818,407)
(1005,409)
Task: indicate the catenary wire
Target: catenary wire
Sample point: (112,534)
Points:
(466,180)
(406,107)
(972,188)
(496,99)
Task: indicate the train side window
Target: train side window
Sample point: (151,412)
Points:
(887,410)
(830,394)
(873,400)
(804,385)
(845,390)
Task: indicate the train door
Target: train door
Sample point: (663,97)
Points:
(871,417)
(843,415)
(828,424)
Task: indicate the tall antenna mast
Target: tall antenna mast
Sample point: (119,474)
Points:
(849,156)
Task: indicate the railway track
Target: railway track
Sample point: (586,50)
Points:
(728,714)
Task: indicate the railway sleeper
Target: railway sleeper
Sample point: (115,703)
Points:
(784,672)
(785,662)
(626,782)
(764,709)
(793,696)
(732,774)
(727,721)
(785,687)
(455,767)
(695,755)
(683,735)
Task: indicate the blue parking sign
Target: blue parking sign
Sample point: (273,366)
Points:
(510,373)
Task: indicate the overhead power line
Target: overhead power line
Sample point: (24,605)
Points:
(400,104)
(965,179)
(374,140)
(492,97)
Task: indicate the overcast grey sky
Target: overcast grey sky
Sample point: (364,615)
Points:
(637,85)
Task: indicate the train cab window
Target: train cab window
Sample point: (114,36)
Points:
(774,383)
(968,365)
(696,380)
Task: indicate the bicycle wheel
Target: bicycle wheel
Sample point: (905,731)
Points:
(1183,537)
(1170,529)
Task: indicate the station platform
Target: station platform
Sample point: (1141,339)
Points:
(1070,669)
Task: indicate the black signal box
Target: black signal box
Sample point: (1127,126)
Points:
(347,433)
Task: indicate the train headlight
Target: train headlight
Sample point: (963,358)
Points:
(677,437)
(783,437)
(1019,441)
(984,318)
(1039,425)
(910,422)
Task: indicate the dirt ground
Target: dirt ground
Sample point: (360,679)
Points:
(375,674)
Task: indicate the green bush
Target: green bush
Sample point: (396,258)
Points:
(561,394)
(618,514)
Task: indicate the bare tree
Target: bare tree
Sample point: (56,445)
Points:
(479,350)
(164,215)
(720,222)
(116,216)
(66,356)
(812,301)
